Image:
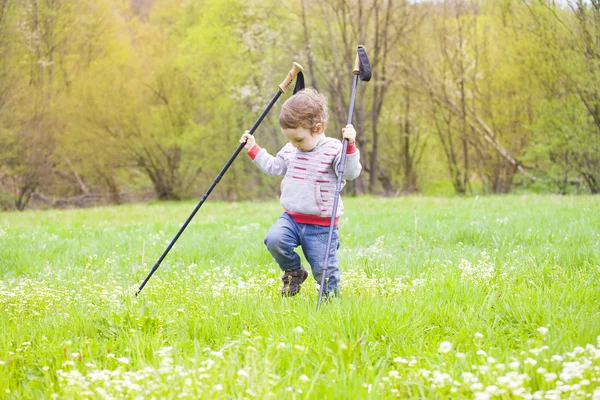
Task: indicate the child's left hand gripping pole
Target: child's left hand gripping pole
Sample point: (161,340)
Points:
(282,88)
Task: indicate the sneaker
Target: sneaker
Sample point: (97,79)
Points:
(292,281)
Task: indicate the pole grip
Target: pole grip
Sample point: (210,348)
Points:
(356,69)
(287,82)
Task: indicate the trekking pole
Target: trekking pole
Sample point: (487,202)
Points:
(283,87)
(362,69)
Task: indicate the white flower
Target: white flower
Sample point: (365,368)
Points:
(123,360)
(243,372)
(542,330)
(110,355)
(550,376)
(298,329)
(445,347)
(218,387)
(304,378)
(478,335)
(530,361)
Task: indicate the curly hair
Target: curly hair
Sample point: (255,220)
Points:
(304,109)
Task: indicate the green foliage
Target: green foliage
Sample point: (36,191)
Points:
(116,101)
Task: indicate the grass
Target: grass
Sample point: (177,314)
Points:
(479,297)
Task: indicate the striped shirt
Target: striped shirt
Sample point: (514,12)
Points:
(309,183)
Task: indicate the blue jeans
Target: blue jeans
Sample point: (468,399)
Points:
(286,234)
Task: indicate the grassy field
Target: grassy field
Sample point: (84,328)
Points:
(489,297)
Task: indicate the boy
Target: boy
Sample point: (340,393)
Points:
(309,164)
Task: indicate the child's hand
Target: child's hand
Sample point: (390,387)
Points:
(349,133)
(249,139)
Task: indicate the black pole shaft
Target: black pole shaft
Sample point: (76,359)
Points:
(210,189)
(340,173)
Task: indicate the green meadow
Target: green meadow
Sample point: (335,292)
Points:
(464,297)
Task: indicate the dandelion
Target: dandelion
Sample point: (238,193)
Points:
(445,347)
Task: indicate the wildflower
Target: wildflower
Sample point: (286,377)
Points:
(298,329)
(542,330)
(530,361)
(123,360)
(304,378)
(218,387)
(445,347)
(478,335)
(550,376)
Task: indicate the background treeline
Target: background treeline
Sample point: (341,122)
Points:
(114,101)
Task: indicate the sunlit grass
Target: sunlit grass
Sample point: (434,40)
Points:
(464,297)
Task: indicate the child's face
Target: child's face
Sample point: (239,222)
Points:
(302,138)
